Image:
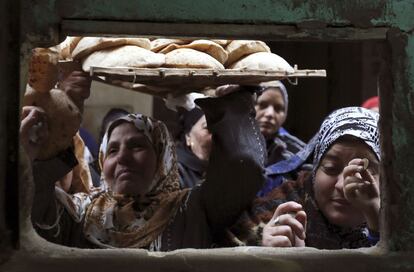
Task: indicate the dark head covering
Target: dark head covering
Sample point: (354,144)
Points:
(110,116)
(187,120)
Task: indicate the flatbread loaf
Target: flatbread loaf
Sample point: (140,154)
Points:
(63,119)
(158,44)
(222,42)
(237,49)
(124,56)
(190,58)
(43,71)
(263,61)
(213,49)
(66,47)
(88,45)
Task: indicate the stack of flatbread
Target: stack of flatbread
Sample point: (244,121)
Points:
(116,52)
(172,53)
(205,54)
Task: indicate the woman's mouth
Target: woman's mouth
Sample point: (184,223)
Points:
(341,201)
(267,125)
(123,173)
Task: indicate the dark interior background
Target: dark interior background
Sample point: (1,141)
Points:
(352,70)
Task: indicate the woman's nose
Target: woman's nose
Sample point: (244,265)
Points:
(269,111)
(123,155)
(339,185)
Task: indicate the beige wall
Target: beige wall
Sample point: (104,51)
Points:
(104,97)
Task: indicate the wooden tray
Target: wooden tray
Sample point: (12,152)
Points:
(161,81)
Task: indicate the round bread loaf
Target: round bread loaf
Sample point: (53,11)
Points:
(222,42)
(123,56)
(190,58)
(237,49)
(43,71)
(263,61)
(66,47)
(158,44)
(88,45)
(213,49)
(63,119)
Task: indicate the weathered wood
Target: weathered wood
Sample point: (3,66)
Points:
(160,81)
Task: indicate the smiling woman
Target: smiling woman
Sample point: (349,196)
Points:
(334,206)
(337,198)
(130,160)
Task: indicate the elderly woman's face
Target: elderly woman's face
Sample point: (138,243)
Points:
(130,163)
(199,139)
(270,112)
(329,180)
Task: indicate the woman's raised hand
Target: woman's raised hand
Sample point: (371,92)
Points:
(77,84)
(33,130)
(361,189)
(287,228)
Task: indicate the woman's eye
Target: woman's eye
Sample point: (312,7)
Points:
(332,170)
(111,150)
(262,105)
(137,146)
(279,109)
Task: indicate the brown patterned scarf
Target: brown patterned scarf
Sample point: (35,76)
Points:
(137,222)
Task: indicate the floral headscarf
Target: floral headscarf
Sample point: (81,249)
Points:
(138,222)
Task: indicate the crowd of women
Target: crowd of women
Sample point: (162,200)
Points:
(233,177)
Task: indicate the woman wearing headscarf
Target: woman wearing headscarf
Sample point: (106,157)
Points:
(334,206)
(142,205)
(193,147)
(271,113)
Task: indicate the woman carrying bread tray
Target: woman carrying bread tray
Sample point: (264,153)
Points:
(141,205)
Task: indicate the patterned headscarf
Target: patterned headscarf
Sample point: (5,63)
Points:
(355,121)
(137,222)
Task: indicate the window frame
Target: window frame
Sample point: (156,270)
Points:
(393,253)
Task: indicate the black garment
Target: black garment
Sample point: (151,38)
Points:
(192,170)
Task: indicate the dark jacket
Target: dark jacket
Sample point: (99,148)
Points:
(192,170)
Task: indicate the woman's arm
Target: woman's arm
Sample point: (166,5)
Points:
(235,171)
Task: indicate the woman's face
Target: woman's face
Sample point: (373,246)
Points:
(328,183)
(270,112)
(199,139)
(130,163)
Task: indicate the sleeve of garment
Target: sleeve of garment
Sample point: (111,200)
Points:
(45,175)
(373,237)
(236,165)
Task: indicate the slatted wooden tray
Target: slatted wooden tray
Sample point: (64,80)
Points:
(161,81)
